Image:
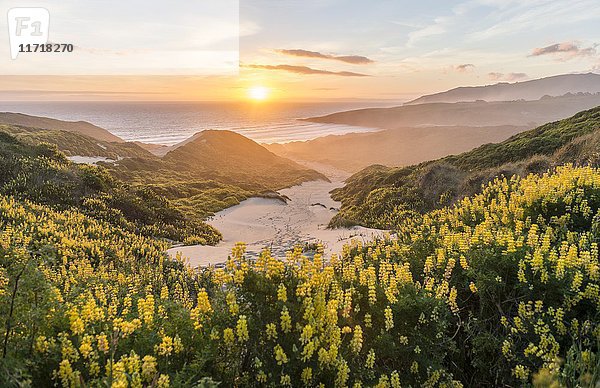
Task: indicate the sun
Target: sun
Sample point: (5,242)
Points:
(258,93)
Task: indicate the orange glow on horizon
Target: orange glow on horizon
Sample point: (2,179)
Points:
(258,93)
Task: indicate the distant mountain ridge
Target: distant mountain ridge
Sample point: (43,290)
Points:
(527,90)
(473,114)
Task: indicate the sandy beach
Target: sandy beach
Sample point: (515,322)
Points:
(280,226)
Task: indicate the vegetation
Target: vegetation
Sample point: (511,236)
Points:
(214,170)
(499,289)
(80,127)
(42,174)
(76,144)
(232,158)
(380,196)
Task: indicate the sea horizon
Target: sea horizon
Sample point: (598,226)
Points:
(168,122)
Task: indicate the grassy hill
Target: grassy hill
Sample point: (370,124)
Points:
(76,144)
(499,290)
(209,172)
(233,158)
(42,174)
(378,196)
(214,170)
(81,127)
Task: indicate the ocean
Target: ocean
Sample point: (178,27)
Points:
(171,122)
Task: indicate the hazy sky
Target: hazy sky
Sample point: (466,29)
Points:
(133,37)
(350,49)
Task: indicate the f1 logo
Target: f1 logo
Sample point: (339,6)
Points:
(27,26)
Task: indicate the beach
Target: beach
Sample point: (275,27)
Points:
(271,223)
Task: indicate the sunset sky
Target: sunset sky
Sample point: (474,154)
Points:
(341,49)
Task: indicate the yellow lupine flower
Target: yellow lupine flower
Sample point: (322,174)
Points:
(271,330)
(286,321)
(261,377)
(473,287)
(77,324)
(370,362)
(203,303)
(282,293)
(280,355)
(521,372)
(146,307)
(357,339)
(177,344)
(86,346)
(148,368)
(228,336)
(389,318)
(242,329)
(165,348)
(103,345)
(42,344)
(67,375)
(163,381)
(306,376)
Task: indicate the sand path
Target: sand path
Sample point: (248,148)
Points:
(261,223)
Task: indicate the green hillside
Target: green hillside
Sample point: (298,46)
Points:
(210,172)
(214,170)
(379,196)
(43,174)
(80,127)
(76,144)
(499,290)
(233,158)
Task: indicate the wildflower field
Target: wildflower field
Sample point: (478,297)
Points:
(500,289)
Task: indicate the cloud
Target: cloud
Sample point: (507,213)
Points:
(353,59)
(248,27)
(438,27)
(566,50)
(515,17)
(77,92)
(495,76)
(507,77)
(464,67)
(305,70)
